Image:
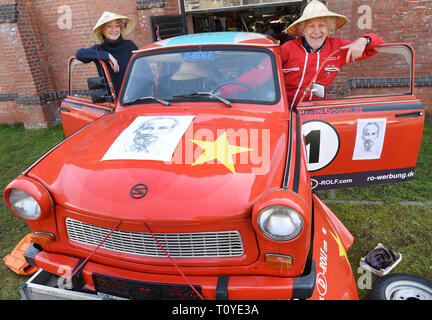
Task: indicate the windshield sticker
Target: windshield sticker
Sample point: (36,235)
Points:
(369,138)
(198,55)
(149,138)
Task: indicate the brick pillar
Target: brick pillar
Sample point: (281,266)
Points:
(9,46)
(41,110)
(24,70)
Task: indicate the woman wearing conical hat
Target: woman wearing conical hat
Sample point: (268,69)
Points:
(111,47)
(302,56)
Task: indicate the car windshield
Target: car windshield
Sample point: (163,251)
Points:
(222,75)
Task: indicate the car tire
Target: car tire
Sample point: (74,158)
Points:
(401,286)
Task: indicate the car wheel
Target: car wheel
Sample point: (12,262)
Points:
(400,286)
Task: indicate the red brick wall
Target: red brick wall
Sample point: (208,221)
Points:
(34,50)
(408,21)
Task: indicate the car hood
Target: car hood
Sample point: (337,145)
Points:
(223,161)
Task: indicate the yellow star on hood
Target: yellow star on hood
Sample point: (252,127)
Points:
(220,150)
(342,252)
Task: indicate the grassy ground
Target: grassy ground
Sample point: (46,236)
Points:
(18,149)
(404,228)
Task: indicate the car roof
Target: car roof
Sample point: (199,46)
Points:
(215,38)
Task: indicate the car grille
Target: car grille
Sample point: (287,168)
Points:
(178,245)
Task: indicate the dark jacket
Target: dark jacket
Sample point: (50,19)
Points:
(120,49)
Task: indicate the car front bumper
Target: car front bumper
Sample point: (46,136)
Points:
(137,285)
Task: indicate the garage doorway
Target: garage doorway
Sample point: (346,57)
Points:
(271,20)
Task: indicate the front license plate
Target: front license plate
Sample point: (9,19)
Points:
(139,290)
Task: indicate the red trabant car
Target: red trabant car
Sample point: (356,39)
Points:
(194,184)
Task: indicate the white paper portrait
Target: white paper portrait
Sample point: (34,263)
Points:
(369,138)
(149,138)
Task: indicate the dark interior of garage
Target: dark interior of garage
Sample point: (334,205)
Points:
(271,20)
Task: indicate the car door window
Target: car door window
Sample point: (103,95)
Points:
(78,110)
(387,73)
(78,75)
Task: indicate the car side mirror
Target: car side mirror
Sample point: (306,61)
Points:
(99,90)
(318,90)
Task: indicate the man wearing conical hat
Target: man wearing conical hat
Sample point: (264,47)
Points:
(302,57)
(111,47)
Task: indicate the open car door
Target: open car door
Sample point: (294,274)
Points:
(369,129)
(89,96)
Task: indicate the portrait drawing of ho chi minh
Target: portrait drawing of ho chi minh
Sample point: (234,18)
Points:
(149,138)
(370,139)
(370,135)
(150,133)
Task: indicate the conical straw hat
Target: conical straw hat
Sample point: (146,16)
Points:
(315,9)
(189,71)
(128,25)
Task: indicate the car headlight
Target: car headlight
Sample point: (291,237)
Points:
(280,223)
(24,204)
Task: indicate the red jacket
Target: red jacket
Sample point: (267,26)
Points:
(299,66)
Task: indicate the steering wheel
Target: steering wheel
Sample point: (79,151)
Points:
(235,82)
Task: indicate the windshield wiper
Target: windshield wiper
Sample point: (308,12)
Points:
(205,94)
(144,99)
